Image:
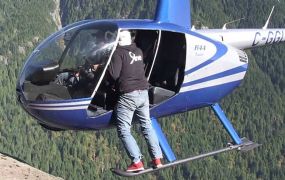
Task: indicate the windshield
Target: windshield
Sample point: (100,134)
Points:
(69,65)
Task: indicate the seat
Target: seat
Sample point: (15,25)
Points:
(158,94)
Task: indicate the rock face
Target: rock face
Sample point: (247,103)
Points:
(11,169)
(56,15)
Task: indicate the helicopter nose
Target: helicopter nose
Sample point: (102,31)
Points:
(19,94)
(21,100)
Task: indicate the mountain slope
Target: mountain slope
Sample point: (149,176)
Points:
(13,169)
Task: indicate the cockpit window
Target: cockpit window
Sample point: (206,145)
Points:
(87,46)
(69,65)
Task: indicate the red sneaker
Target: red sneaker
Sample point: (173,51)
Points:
(135,167)
(156,163)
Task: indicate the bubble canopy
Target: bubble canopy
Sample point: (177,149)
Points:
(70,63)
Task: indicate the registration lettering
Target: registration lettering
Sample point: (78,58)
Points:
(270,37)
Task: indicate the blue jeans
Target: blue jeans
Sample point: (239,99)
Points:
(135,105)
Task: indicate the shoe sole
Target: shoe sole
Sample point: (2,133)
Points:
(135,170)
(157,166)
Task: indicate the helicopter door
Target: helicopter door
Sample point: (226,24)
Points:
(164,68)
(148,42)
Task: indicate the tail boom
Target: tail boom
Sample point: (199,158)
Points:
(246,38)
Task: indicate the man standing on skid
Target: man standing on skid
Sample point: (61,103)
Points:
(127,71)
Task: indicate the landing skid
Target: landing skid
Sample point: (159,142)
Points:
(245,146)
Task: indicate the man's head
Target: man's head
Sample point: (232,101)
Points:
(125,38)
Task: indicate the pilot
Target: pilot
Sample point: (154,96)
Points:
(126,70)
(88,71)
(81,82)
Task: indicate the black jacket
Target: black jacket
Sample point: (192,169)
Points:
(127,69)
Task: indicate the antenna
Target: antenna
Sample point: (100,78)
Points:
(225,25)
(268,20)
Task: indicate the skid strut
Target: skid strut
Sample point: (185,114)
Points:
(165,147)
(226,123)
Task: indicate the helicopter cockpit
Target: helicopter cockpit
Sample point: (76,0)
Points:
(70,65)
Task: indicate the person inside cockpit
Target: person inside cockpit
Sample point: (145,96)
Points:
(82,80)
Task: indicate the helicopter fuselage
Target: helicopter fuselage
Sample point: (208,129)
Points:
(186,70)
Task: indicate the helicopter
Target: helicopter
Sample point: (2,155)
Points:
(198,70)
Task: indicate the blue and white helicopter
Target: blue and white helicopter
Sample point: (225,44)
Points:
(186,68)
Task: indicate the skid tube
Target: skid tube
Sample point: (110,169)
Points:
(245,146)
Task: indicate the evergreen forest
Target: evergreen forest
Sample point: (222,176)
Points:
(256,108)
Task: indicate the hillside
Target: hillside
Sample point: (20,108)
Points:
(257,108)
(13,169)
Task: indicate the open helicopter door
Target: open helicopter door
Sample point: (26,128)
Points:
(104,99)
(164,68)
